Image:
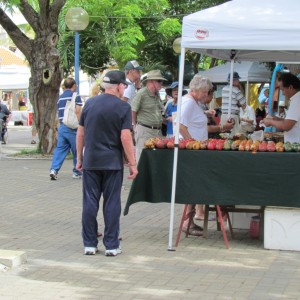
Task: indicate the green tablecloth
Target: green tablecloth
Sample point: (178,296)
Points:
(218,177)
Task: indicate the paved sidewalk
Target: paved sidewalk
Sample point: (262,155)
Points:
(43,218)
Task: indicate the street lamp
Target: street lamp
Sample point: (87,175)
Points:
(177,50)
(77,19)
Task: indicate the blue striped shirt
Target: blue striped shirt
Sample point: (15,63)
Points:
(61,103)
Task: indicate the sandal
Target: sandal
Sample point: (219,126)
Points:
(195,230)
(33,142)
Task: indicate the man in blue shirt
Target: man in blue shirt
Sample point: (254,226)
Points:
(66,136)
(105,135)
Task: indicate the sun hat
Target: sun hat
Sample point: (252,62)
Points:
(115,77)
(133,65)
(154,75)
(173,86)
(235,76)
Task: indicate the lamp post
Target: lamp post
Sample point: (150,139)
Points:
(177,49)
(77,19)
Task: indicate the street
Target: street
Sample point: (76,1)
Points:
(43,218)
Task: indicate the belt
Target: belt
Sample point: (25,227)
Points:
(232,114)
(151,127)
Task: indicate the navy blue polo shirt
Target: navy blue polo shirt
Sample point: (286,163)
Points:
(103,118)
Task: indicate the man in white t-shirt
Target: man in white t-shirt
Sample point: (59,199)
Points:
(247,119)
(289,84)
(133,76)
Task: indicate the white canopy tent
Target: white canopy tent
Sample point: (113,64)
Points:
(239,30)
(249,71)
(14,78)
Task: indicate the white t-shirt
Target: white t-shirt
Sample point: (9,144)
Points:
(293,113)
(130,91)
(248,113)
(193,117)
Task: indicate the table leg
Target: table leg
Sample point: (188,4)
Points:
(205,223)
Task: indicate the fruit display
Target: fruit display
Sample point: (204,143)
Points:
(224,144)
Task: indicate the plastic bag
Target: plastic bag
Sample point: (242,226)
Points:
(70,118)
(257,136)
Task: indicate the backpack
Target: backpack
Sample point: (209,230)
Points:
(70,118)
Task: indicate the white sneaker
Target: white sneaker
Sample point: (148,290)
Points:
(77,176)
(90,250)
(113,252)
(53,174)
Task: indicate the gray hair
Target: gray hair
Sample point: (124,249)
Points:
(199,82)
(107,86)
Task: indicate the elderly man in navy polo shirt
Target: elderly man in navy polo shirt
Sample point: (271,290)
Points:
(103,140)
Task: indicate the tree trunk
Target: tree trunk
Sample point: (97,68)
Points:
(43,58)
(44,91)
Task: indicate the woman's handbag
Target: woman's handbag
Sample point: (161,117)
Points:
(70,118)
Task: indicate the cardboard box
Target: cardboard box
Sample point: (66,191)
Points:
(281,228)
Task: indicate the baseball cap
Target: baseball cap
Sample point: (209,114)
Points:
(173,86)
(235,76)
(133,64)
(115,77)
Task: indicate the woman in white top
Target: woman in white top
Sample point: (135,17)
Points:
(193,124)
(193,121)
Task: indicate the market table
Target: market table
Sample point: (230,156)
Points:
(218,178)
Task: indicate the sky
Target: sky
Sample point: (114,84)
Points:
(17,17)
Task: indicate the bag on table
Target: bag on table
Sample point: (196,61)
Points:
(70,118)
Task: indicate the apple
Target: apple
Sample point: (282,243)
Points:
(170,144)
(160,144)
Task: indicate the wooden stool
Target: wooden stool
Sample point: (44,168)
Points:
(221,212)
(184,217)
(190,216)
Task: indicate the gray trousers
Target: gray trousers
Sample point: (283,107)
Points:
(142,134)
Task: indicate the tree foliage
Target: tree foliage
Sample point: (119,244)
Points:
(118,31)
(137,29)
(114,32)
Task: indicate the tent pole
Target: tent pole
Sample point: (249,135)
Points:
(230,88)
(247,92)
(176,141)
(277,68)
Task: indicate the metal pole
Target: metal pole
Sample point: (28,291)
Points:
(176,141)
(179,57)
(77,60)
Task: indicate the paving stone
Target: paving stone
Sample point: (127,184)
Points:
(43,219)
